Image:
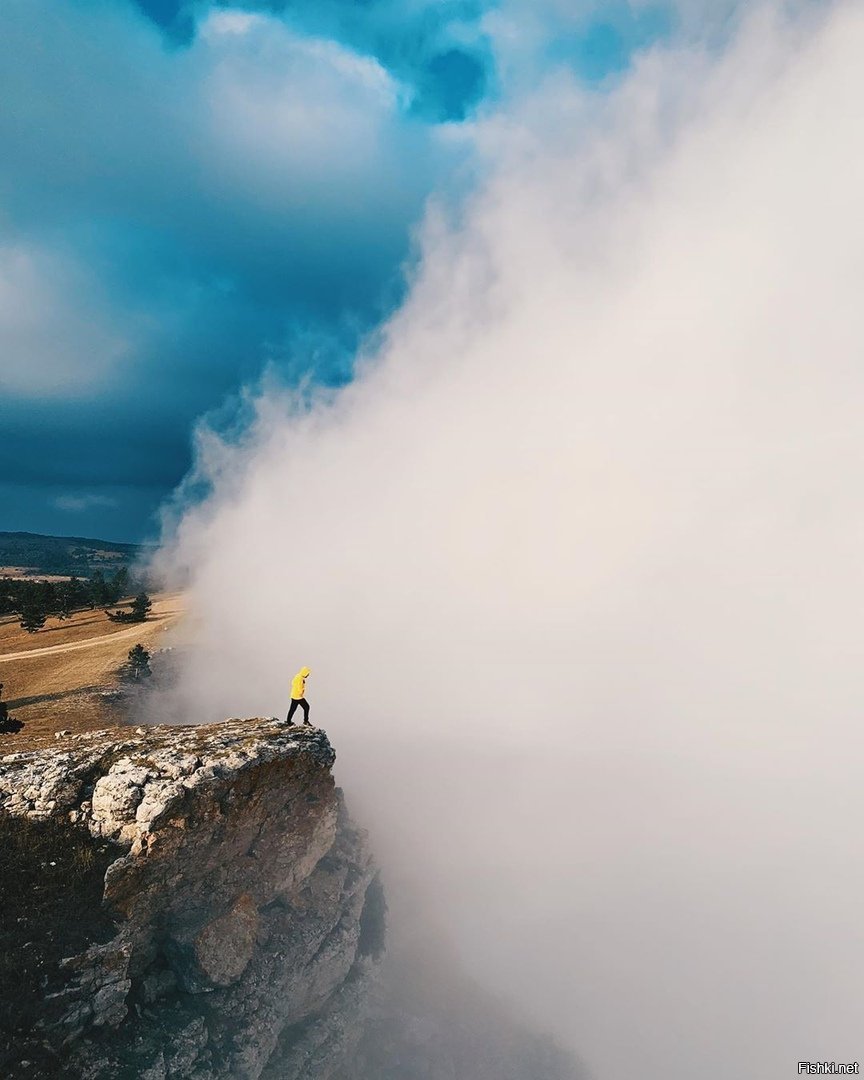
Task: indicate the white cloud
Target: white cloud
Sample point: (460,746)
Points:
(295,59)
(302,114)
(75,504)
(576,564)
(59,338)
(229,22)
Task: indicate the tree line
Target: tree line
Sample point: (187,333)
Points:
(36,601)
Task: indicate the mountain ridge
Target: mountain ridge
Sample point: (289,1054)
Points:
(42,553)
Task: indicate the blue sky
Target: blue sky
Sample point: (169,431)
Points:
(192,193)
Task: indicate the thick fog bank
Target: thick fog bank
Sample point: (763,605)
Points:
(576,563)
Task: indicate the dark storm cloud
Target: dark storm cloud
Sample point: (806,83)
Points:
(174,219)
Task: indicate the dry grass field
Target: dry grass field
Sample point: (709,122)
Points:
(62,676)
(25,572)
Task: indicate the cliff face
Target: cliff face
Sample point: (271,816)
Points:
(241,919)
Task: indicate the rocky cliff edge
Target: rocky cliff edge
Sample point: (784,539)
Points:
(240,919)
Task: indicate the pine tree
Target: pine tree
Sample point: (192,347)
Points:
(33,617)
(118,586)
(98,590)
(141,607)
(139,663)
(7,597)
(72,594)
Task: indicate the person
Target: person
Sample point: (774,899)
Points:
(298,694)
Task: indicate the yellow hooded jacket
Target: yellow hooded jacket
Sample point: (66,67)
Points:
(298,684)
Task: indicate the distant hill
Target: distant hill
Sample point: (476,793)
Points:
(34,554)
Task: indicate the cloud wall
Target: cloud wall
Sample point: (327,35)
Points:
(575,562)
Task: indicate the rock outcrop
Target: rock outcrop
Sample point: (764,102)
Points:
(242,919)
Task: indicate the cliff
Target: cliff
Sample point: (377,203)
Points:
(183,903)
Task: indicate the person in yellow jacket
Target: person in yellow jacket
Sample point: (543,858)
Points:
(298,694)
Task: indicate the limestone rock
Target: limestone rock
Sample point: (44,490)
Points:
(219,952)
(237,891)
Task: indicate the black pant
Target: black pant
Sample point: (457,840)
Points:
(294,703)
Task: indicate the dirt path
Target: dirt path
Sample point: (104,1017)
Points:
(88,643)
(164,610)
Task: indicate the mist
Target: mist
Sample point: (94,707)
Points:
(576,561)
